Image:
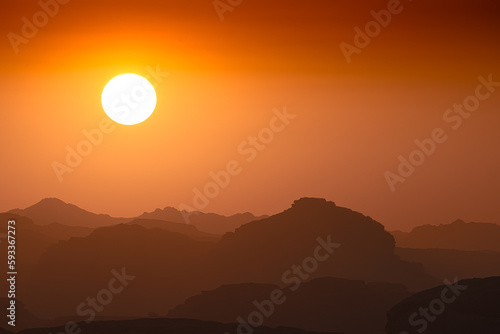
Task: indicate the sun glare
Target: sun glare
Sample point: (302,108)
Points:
(128,99)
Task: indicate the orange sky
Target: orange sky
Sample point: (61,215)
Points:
(225,78)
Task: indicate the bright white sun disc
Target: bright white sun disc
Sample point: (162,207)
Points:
(128,99)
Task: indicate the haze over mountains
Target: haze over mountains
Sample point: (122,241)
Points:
(340,263)
(166,267)
(320,305)
(445,263)
(261,251)
(182,228)
(174,266)
(457,235)
(447,236)
(53,210)
(37,238)
(205,222)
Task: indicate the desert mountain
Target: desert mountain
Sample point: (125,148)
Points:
(458,235)
(463,307)
(32,241)
(353,246)
(323,304)
(35,239)
(312,239)
(444,263)
(205,222)
(182,228)
(53,210)
(167,263)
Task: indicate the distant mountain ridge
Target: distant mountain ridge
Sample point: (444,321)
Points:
(188,230)
(458,235)
(205,222)
(445,263)
(176,261)
(37,238)
(53,210)
(175,266)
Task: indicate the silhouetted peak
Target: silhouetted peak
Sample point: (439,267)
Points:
(54,204)
(248,215)
(51,201)
(458,222)
(169,209)
(311,203)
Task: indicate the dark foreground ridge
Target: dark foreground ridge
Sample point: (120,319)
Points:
(465,307)
(331,305)
(165,326)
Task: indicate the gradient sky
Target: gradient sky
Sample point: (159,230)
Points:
(226,77)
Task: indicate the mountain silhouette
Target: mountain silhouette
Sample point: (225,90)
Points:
(186,229)
(32,241)
(458,235)
(335,266)
(172,263)
(444,263)
(165,264)
(53,210)
(323,304)
(262,251)
(468,306)
(174,266)
(166,326)
(35,239)
(205,222)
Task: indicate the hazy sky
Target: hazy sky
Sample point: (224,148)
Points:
(352,120)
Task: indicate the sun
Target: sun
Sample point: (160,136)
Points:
(128,99)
